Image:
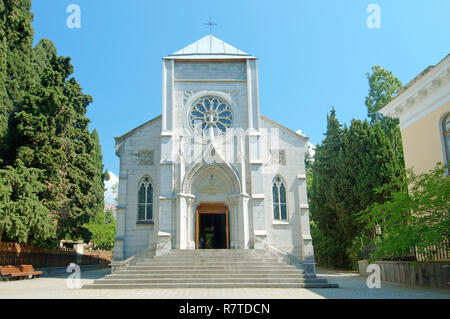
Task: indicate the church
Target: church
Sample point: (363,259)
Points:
(212,172)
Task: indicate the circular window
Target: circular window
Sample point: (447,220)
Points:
(211,112)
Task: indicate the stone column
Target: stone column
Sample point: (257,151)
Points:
(244,234)
(190,202)
(241,233)
(181,222)
(232,207)
(184,222)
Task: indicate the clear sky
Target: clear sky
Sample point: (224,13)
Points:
(312,54)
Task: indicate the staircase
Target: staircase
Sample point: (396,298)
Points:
(210,268)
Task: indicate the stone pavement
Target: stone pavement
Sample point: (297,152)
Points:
(351,286)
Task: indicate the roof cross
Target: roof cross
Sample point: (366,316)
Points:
(211,24)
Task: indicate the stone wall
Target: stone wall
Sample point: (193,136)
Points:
(429,274)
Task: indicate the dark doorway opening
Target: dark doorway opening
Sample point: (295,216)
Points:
(212,231)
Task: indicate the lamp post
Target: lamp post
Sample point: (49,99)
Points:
(378,230)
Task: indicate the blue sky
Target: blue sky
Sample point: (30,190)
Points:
(313,54)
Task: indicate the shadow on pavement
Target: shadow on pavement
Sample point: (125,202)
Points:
(353,286)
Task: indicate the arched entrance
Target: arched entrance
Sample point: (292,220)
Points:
(212,226)
(217,216)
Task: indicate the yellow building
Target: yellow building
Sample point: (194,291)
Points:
(423,107)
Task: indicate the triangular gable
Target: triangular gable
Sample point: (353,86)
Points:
(284,128)
(124,136)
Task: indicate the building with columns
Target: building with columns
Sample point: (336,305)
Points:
(211,171)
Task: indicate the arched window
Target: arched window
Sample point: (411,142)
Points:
(446,136)
(279,199)
(145,199)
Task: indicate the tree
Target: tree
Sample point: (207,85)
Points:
(349,165)
(23,216)
(16,66)
(324,192)
(44,129)
(383,86)
(415,214)
(103,229)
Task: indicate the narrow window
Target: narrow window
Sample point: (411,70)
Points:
(276,204)
(283,201)
(279,199)
(145,200)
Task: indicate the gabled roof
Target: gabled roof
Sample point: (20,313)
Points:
(210,47)
(119,139)
(295,134)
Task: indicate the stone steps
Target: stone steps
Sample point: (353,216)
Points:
(209,280)
(206,268)
(209,272)
(210,285)
(203,259)
(210,269)
(203,275)
(202,265)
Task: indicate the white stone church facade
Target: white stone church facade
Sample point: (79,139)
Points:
(211,171)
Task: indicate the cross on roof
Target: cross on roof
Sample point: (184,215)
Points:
(211,24)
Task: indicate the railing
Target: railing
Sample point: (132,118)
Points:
(438,252)
(309,267)
(50,258)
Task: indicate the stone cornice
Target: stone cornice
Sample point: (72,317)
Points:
(423,96)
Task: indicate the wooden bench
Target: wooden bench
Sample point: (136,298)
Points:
(30,270)
(22,271)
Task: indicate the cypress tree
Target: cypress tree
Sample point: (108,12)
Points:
(324,196)
(23,216)
(349,165)
(16,65)
(46,147)
(53,135)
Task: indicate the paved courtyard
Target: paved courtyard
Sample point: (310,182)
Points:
(351,286)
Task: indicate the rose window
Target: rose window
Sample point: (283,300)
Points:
(211,112)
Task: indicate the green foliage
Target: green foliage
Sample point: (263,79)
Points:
(44,136)
(383,86)
(16,65)
(356,249)
(350,163)
(103,229)
(23,217)
(416,213)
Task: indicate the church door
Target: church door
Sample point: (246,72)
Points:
(212,231)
